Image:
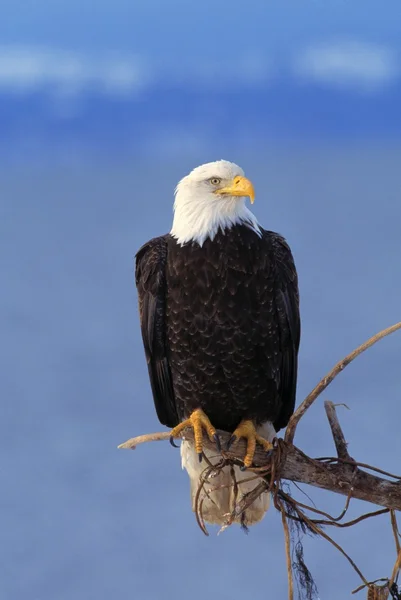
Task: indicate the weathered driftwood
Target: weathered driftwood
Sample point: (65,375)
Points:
(338,477)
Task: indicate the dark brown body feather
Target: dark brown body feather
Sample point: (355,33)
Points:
(221,328)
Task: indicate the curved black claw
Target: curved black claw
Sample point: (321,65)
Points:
(217,442)
(200,456)
(230,442)
(172,442)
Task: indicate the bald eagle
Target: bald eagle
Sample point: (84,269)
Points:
(219,315)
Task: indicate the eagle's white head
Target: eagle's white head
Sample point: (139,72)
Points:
(210,198)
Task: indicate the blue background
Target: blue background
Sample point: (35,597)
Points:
(103,108)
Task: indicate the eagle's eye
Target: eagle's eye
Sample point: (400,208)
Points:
(215,181)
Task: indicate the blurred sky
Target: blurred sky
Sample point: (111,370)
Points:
(102,109)
(199,31)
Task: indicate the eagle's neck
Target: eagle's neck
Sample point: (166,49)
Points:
(196,220)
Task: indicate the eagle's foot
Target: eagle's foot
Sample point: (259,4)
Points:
(246,429)
(198,420)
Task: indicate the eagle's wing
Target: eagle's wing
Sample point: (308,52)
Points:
(150,277)
(287,307)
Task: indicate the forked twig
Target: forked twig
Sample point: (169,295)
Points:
(337,432)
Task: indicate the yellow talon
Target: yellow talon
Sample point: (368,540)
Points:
(197,420)
(246,429)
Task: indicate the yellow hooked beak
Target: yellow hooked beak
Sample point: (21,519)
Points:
(240,186)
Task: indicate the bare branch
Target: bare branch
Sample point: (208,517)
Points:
(344,477)
(338,436)
(297,466)
(322,385)
(132,443)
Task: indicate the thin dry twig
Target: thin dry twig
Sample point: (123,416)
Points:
(334,521)
(355,463)
(288,554)
(198,506)
(363,517)
(322,385)
(397,565)
(370,585)
(337,432)
(248,499)
(396,533)
(132,443)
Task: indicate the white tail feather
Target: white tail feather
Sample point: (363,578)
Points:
(218,495)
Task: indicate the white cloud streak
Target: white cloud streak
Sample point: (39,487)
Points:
(349,64)
(27,69)
(343,64)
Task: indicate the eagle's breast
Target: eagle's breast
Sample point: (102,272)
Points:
(220,326)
